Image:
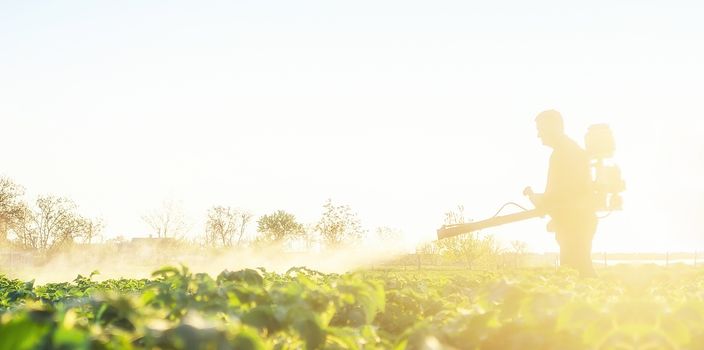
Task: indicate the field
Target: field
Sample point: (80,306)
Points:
(645,307)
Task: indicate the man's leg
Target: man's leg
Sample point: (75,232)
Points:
(586,267)
(575,252)
(575,239)
(568,253)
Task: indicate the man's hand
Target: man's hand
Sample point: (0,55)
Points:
(535,198)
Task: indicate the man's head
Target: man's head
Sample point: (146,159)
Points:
(550,127)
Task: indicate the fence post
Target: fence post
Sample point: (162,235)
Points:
(667,259)
(557,262)
(605,263)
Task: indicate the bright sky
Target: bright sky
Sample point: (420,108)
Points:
(400,109)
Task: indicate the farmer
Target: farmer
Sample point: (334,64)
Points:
(568,196)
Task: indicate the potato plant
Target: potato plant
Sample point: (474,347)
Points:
(627,308)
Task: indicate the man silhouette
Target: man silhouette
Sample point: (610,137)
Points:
(568,196)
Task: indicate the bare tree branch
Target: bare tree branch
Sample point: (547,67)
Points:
(167,221)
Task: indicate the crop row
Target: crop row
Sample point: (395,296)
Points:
(645,307)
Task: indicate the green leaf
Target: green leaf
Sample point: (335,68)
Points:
(70,339)
(311,332)
(21,333)
(248,339)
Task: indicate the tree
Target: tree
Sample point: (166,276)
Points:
(518,250)
(278,226)
(388,234)
(54,223)
(454,217)
(339,225)
(244,218)
(391,239)
(12,208)
(467,247)
(311,238)
(167,221)
(91,230)
(428,250)
(221,226)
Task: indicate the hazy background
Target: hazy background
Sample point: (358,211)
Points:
(401,109)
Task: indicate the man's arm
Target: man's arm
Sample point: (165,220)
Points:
(535,198)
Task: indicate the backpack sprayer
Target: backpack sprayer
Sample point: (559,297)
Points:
(607,186)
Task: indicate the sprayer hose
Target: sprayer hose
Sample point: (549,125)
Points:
(506,205)
(524,209)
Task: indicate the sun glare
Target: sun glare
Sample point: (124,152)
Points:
(351,175)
